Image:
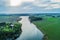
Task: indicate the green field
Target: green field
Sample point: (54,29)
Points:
(50,26)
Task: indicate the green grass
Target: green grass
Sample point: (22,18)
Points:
(49,26)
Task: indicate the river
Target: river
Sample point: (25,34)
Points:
(29,30)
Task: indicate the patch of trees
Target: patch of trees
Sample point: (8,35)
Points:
(8,32)
(35,18)
(2,24)
(53,16)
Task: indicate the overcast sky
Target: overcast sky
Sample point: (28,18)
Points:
(30,6)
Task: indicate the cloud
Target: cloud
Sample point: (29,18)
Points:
(15,2)
(4,3)
(53,6)
(55,0)
(28,0)
(47,4)
(18,2)
(30,6)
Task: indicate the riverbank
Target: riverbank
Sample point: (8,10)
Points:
(50,26)
(40,28)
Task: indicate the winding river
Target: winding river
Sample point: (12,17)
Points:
(29,30)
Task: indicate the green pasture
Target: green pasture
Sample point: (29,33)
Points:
(49,26)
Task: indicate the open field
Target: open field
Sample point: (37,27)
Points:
(50,26)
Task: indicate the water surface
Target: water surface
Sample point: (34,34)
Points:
(29,30)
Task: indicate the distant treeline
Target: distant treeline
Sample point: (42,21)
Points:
(27,14)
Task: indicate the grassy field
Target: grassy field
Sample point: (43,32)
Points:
(50,26)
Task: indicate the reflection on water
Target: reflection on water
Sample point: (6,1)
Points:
(29,30)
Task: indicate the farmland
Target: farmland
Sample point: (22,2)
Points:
(49,25)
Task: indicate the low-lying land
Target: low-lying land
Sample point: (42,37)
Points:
(10,29)
(49,25)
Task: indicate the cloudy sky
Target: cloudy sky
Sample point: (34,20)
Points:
(30,6)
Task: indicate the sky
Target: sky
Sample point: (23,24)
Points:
(29,6)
